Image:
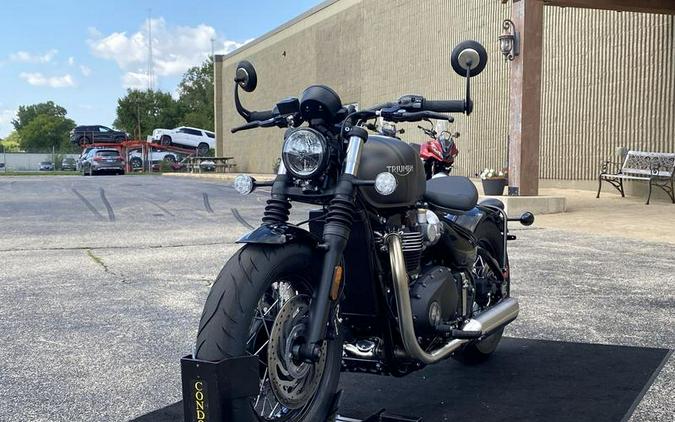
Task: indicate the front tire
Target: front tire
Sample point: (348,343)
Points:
(243,315)
(165,140)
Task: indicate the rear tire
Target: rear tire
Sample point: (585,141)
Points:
(235,307)
(165,140)
(203,149)
(490,239)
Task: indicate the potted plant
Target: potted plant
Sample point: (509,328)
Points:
(493,181)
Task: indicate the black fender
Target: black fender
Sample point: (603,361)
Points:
(279,234)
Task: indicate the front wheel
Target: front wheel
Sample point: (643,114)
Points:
(203,149)
(259,305)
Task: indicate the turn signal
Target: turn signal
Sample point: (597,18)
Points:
(243,184)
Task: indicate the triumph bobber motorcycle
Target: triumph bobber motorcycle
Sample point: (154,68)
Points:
(439,152)
(392,273)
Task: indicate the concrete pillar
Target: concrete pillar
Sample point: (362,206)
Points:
(525,99)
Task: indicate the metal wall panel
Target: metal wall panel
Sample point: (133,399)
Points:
(608,78)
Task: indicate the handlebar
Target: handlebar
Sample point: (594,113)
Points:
(261,115)
(449,106)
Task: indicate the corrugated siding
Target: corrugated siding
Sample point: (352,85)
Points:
(608,81)
(608,78)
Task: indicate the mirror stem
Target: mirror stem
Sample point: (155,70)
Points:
(468,104)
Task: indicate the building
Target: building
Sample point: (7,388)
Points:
(608,78)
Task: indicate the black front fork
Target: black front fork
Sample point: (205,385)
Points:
(336,233)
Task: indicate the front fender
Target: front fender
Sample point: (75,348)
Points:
(279,234)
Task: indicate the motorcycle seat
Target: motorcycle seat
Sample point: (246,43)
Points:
(453,192)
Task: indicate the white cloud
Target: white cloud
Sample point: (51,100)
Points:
(26,57)
(135,80)
(71,60)
(38,79)
(6,115)
(175,48)
(85,70)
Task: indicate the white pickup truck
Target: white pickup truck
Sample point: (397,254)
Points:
(188,137)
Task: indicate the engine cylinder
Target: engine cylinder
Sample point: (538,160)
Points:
(412,244)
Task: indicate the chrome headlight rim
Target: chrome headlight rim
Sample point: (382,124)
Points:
(323,161)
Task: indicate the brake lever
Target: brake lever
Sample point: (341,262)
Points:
(279,121)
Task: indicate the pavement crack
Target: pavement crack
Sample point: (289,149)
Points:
(99,261)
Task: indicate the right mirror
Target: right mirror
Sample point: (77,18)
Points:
(246,76)
(468,56)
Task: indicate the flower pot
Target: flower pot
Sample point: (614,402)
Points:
(493,186)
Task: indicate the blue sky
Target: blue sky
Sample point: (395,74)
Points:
(84,54)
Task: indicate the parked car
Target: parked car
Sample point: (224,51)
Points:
(68,163)
(78,162)
(46,166)
(83,135)
(136,158)
(202,140)
(207,165)
(99,160)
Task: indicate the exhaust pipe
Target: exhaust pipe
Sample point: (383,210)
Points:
(487,322)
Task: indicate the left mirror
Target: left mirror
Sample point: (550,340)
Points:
(245,76)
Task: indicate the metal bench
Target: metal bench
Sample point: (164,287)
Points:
(655,167)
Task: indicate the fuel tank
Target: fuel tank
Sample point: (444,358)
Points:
(382,153)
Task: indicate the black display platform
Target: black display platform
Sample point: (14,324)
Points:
(525,380)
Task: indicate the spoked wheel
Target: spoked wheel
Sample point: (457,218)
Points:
(478,352)
(259,306)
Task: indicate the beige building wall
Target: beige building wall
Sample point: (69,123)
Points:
(608,78)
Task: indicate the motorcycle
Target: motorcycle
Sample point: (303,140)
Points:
(439,152)
(392,273)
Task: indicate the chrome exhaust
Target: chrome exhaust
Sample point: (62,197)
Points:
(487,322)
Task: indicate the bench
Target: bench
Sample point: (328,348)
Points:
(657,168)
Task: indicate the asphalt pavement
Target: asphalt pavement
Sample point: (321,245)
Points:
(102,280)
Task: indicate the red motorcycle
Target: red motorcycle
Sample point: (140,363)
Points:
(439,152)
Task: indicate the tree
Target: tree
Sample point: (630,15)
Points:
(27,113)
(46,131)
(196,96)
(139,112)
(12,143)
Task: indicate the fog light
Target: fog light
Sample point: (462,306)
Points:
(243,184)
(385,183)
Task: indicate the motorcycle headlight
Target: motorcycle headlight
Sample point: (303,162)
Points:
(304,153)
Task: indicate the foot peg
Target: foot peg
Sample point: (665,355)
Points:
(460,334)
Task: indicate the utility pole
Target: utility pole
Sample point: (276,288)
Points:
(150,75)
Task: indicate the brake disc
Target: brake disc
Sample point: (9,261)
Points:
(293,383)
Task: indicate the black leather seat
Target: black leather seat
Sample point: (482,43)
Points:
(454,192)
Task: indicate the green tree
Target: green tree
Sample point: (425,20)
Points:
(196,96)
(46,131)
(27,113)
(139,112)
(12,143)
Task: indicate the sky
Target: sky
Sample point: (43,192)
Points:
(83,55)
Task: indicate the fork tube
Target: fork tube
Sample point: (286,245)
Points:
(336,233)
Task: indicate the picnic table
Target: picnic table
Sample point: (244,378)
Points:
(221,164)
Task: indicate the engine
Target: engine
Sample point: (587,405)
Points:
(438,295)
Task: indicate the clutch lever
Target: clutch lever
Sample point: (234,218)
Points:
(274,121)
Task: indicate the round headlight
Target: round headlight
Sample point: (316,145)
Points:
(304,153)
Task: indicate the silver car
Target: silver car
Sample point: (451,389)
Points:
(100,160)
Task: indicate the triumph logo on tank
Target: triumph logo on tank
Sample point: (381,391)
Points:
(401,169)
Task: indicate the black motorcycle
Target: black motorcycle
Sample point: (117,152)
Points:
(393,272)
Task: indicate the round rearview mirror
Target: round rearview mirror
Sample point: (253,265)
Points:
(468,56)
(246,76)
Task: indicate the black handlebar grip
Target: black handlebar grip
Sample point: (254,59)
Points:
(449,106)
(261,115)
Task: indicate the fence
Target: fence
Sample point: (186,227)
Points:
(24,161)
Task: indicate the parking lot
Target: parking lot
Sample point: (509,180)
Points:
(102,281)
